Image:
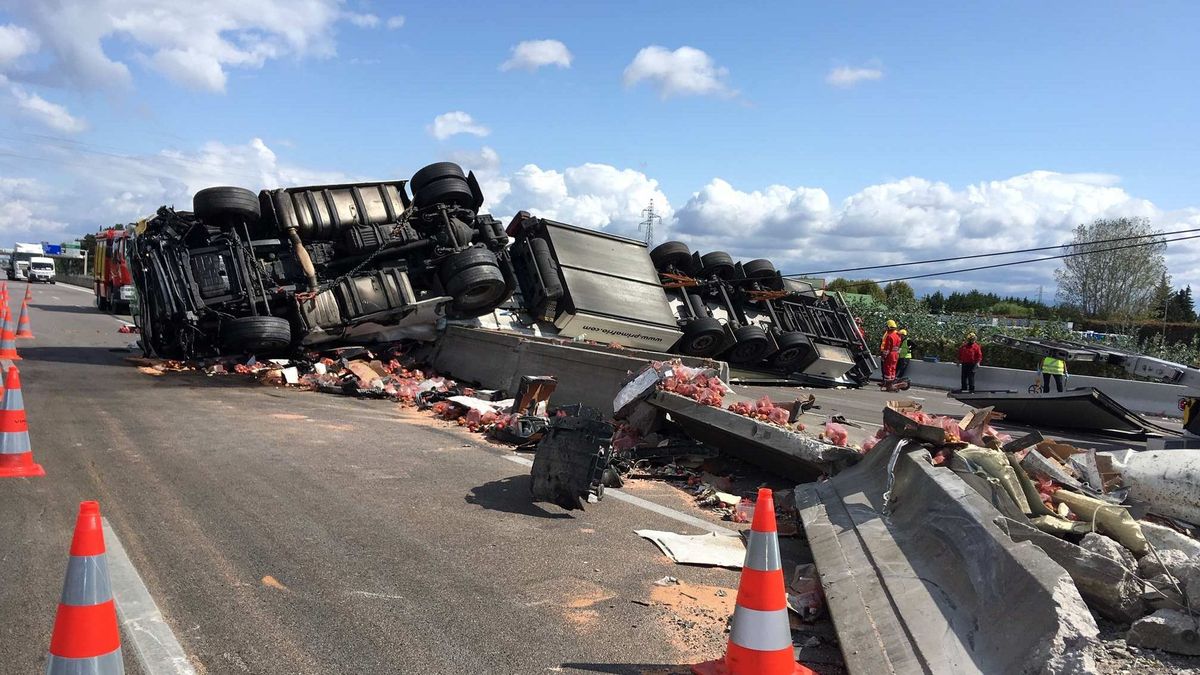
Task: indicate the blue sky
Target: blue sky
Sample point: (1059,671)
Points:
(800,131)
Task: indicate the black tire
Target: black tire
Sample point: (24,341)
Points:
(702,337)
(466,259)
(476,291)
(451,190)
(764,271)
(759,269)
(256,335)
(226,205)
(795,351)
(671,254)
(101,304)
(752,345)
(436,171)
(717,264)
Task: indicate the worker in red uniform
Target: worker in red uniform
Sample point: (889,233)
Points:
(970,355)
(889,350)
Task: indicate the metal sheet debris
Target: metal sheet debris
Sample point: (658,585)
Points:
(1085,409)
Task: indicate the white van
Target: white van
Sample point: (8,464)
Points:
(41,269)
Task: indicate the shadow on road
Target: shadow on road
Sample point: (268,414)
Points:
(510,495)
(629,668)
(68,309)
(100,356)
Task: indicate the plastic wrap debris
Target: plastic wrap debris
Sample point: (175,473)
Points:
(1110,519)
(804,595)
(764,410)
(127,329)
(712,549)
(699,384)
(836,434)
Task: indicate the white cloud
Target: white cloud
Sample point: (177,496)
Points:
(395,22)
(15,42)
(455,122)
(28,211)
(101,188)
(194,43)
(485,162)
(915,218)
(362,20)
(533,54)
(687,71)
(598,196)
(50,114)
(848,76)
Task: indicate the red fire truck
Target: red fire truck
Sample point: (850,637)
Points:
(111,280)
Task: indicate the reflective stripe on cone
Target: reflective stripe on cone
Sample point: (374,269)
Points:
(16,452)
(86,639)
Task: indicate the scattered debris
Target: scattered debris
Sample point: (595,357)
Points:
(718,550)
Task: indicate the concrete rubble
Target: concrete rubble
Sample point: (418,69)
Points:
(1167,629)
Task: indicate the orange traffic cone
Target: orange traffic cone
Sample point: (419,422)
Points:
(760,640)
(16,453)
(8,341)
(28,292)
(86,638)
(24,331)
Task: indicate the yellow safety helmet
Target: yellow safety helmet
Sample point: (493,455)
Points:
(970,335)
(891,323)
(904,331)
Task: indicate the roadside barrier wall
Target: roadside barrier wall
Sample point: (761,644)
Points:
(1149,398)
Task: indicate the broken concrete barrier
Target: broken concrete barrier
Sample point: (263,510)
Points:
(1167,629)
(929,583)
(1108,586)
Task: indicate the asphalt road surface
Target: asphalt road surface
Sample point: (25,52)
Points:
(282,531)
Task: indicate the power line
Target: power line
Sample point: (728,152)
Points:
(990,255)
(1035,260)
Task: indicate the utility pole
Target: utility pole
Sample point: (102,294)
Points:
(1039,294)
(649,219)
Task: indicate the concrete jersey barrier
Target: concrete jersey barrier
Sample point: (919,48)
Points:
(1148,398)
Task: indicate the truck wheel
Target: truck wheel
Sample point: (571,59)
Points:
(795,351)
(671,254)
(256,335)
(759,269)
(451,190)
(465,259)
(752,345)
(702,337)
(433,172)
(476,291)
(226,205)
(717,264)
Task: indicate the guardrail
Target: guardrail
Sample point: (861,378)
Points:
(74,280)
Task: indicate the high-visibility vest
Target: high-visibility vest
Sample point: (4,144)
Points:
(1053,366)
(905,350)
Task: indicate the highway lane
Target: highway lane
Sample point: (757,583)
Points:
(290,532)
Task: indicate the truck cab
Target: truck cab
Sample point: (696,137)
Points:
(41,270)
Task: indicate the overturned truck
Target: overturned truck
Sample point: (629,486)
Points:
(334,265)
(323,265)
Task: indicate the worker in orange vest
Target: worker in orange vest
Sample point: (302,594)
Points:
(970,355)
(889,350)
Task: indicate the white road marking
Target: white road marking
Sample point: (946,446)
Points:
(645,504)
(73,287)
(155,645)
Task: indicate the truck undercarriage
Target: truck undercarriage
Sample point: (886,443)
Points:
(337,265)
